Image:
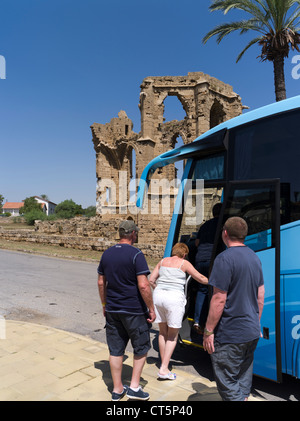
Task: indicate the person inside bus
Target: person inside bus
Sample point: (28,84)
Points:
(204,243)
(168,280)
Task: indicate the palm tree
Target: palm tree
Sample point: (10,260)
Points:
(277,23)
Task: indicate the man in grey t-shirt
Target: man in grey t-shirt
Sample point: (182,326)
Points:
(233,324)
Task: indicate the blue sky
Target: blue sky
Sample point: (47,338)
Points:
(70,63)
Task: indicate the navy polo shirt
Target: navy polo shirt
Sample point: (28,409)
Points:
(120,264)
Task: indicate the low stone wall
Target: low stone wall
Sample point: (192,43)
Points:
(80,226)
(75,241)
(151,232)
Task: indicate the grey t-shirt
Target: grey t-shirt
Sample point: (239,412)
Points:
(238,272)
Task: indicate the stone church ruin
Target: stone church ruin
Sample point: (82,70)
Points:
(206,102)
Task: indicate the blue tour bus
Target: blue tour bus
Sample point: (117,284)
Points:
(251,164)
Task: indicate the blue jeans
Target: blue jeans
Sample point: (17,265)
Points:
(233,369)
(201,303)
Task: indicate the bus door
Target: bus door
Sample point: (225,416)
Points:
(258,202)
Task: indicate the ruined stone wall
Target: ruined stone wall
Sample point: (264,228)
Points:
(81,226)
(97,230)
(77,233)
(206,101)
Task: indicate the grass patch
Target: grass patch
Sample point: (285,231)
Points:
(60,252)
(15,226)
(48,250)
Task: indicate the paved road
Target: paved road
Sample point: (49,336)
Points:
(64,294)
(55,292)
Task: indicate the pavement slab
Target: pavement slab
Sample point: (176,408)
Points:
(41,363)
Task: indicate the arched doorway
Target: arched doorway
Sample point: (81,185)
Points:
(217,114)
(173,109)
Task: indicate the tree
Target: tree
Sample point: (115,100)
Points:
(68,209)
(276,21)
(1,202)
(31,204)
(32,211)
(90,211)
(33,215)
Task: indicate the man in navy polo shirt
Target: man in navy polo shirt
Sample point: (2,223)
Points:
(128,307)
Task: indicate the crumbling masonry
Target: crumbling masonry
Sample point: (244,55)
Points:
(206,102)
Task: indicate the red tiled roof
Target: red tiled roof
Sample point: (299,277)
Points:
(13,205)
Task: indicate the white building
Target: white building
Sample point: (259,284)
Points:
(47,206)
(14,207)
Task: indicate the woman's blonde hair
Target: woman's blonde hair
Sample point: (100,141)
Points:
(180,250)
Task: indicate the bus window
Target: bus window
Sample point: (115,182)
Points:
(208,168)
(270,148)
(255,205)
(188,232)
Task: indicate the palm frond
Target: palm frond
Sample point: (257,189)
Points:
(293,18)
(227,28)
(258,11)
(227,5)
(254,41)
(276,20)
(279,10)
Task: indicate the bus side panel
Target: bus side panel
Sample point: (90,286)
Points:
(291,285)
(265,362)
(290,299)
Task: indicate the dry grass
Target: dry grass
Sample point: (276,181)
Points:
(10,225)
(59,252)
(48,250)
